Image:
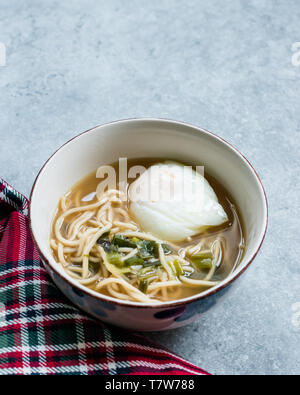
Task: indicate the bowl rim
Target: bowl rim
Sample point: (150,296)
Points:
(176,303)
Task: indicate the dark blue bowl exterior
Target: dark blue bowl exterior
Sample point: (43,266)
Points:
(138,317)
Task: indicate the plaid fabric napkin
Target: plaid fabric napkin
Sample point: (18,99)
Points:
(41,332)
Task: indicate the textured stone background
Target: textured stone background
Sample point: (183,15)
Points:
(223,65)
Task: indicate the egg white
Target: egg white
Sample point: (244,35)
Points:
(173,202)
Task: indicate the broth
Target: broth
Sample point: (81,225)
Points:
(230,234)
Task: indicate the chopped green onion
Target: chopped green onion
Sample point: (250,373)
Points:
(167,249)
(107,246)
(115,259)
(143,285)
(135,260)
(144,254)
(202,262)
(202,255)
(150,248)
(178,269)
(94,267)
(153,263)
(125,270)
(135,240)
(122,241)
(147,249)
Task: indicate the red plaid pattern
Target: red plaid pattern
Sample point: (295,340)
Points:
(42,333)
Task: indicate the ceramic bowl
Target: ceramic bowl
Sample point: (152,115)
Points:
(146,138)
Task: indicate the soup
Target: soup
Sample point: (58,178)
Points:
(150,251)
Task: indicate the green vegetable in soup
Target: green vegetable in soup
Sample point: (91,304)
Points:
(105,242)
(152,262)
(204,264)
(107,246)
(202,260)
(125,270)
(178,268)
(135,260)
(94,267)
(203,255)
(145,275)
(143,285)
(122,241)
(149,248)
(167,249)
(147,255)
(115,259)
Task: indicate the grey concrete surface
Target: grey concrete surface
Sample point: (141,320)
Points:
(223,65)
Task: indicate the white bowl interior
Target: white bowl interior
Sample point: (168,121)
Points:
(148,138)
